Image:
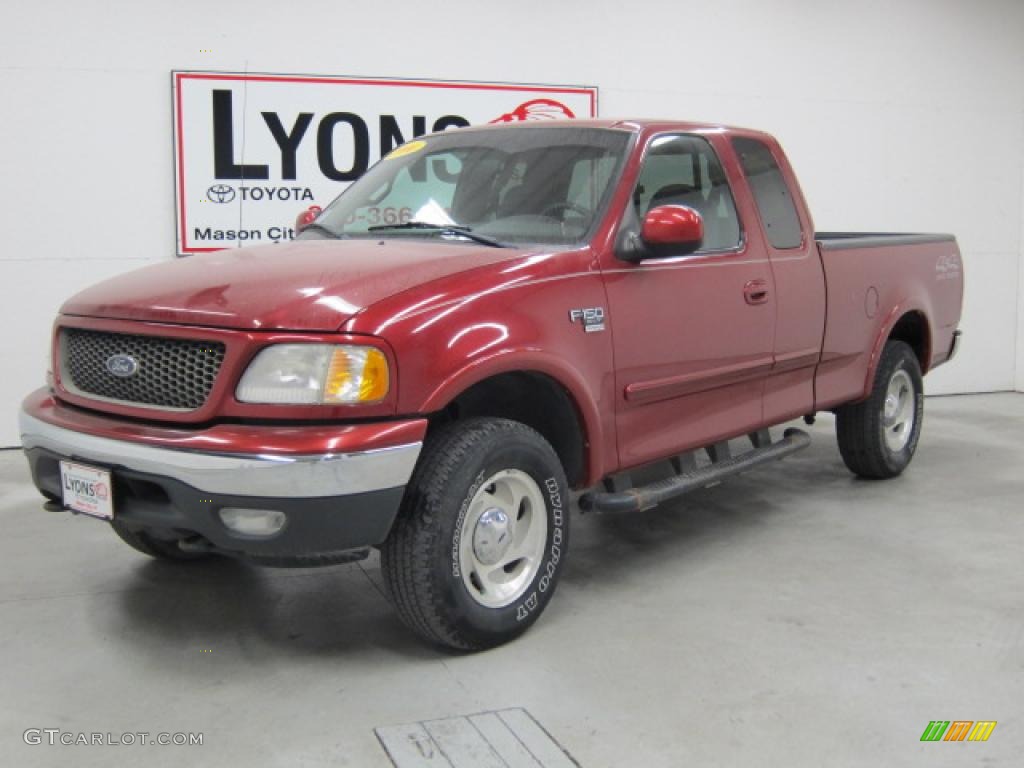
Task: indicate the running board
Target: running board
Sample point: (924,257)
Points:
(722,466)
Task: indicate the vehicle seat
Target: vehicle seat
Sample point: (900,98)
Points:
(517,201)
(721,225)
(542,185)
(676,194)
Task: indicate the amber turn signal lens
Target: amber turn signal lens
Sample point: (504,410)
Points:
(356,375)
(309,374)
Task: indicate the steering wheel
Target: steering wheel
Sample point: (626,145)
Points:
(554,208)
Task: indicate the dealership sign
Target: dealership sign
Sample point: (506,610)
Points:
(253,150)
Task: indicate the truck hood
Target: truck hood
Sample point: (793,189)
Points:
(309,285)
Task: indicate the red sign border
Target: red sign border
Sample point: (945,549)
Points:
(178,76)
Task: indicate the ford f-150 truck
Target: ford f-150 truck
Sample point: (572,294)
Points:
(488,323)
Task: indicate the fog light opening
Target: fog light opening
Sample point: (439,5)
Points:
(253,522)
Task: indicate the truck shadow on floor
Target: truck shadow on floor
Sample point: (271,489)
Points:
(255,614)
(252,613)
(680,537)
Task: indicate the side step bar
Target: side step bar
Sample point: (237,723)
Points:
(647,496)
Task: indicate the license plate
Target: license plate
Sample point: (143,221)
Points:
(87,490)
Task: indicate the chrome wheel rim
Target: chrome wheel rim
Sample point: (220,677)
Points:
(899,411)
(502,538)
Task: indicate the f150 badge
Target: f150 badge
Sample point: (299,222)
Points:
(592,318)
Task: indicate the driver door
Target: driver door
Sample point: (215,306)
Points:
(693,334)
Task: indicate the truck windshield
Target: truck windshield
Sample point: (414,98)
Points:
(499,186)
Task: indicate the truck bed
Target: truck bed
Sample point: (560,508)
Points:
(873,279)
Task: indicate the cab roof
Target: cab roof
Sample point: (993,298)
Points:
(632,125)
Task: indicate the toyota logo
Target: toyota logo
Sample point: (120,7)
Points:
(122,366)
(220,193)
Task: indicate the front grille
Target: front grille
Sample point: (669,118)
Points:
(175,374)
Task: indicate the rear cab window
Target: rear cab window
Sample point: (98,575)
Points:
(771,193)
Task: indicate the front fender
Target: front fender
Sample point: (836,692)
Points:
(449,335)
(536,361)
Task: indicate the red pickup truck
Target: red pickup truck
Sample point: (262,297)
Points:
(487,321)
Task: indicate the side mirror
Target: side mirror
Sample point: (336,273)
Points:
(671,230)
(307,217)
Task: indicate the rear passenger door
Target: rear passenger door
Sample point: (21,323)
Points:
(692,334)
(798,275)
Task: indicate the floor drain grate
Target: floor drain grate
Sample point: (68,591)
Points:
(508,738)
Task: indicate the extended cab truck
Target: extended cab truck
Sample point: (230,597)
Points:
(489,319)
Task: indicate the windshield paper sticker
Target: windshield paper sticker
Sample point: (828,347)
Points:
(407,149)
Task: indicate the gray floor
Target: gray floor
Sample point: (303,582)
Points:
(791,617)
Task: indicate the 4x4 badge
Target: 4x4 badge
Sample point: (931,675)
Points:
(592,318)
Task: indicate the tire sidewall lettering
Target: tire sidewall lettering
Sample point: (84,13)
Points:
(542,465)
(547,572)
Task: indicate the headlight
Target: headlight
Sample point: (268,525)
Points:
(311,374)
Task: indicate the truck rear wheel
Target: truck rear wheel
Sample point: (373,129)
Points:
(161,549)
(878,437)
(480,540)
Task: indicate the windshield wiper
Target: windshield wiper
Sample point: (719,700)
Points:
(322,228)
(455,230)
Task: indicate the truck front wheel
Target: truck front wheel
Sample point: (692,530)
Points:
(481,538)
(878,437)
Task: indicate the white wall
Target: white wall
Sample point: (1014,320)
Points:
(1020,286)
(897,115)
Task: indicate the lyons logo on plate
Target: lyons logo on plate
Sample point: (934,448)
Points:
(122,366)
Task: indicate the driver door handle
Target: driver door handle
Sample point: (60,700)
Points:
(756,292)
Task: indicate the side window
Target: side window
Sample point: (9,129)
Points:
(684,170)
(771,193)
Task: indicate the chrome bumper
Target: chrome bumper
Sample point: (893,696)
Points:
(272,476)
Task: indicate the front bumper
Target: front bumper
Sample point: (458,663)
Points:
(342,496)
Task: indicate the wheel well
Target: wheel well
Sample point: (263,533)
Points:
(912,329)
(534,399)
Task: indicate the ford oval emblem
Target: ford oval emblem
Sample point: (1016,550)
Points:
(122,366)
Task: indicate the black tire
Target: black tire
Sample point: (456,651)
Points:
(161,549)
(423,560)
(871,446)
